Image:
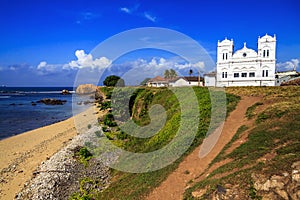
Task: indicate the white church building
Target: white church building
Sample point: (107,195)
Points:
(246,67)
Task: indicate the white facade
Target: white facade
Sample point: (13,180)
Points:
(176,82)
(183,81)
(210,80)
(179,82)
(246,67)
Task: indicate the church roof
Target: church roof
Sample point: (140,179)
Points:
(158,79)
(268,38)
(226,42)
(245,52)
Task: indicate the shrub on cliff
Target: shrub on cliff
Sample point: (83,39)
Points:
(112,81)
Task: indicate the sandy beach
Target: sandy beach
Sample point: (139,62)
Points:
(23,153)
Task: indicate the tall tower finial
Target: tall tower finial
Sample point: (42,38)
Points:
(244,44)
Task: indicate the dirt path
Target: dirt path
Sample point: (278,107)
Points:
(192,166)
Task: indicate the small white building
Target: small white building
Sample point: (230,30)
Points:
(159,81)
(246,67)
(210,79)
(283,77)
(186,81)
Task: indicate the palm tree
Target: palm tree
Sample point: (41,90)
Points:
(191,72)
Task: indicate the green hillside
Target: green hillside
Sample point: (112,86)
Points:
(137,185)
(263,164)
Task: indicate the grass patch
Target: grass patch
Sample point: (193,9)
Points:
(250,110)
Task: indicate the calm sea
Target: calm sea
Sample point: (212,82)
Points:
(17,114)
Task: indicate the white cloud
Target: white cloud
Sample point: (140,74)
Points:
(126,10)
(135,71)
(86,60)
(130,10)
(83,61)
(149,17)
(161,64)
(42,65)
(134,11)
(44,68)
(288,65)
(199,65)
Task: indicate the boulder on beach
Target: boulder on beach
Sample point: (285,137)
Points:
(48,101)
(86,89)
(64,92)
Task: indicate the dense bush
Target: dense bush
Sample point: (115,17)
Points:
(109,120)
(112,81)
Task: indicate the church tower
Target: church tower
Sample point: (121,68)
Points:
(267,54)
(267,47)
(225,50)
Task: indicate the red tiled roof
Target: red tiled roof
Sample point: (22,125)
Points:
(157,78)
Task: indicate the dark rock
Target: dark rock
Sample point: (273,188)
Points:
(64,92)
(33,104)
(87,102)
(221,189)
(52,101)
(12,104)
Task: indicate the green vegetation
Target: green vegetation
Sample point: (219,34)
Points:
(271,146)
(109,120)
(89,126)
(112,81)
(169,74)
(107,91)
(141,100)
(250,111)
(83,155)
(105,105)
(87,191)
(98,133)
(144,82)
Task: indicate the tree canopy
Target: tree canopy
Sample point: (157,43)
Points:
(113,80)
(169,74)
(144,82)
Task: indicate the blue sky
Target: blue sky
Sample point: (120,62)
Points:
(42,41)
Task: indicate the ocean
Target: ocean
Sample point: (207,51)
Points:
(19,111)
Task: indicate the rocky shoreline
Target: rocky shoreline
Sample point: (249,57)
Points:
(61,175)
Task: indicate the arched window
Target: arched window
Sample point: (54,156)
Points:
(268,53)
(265,73)
(225,56)
(224,74)
(264,53)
